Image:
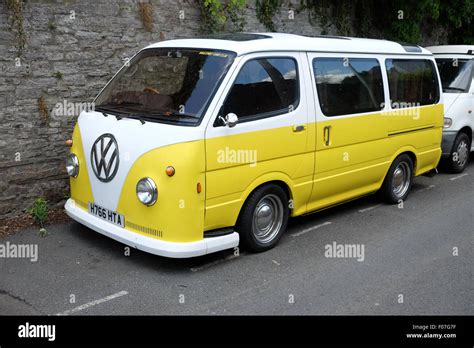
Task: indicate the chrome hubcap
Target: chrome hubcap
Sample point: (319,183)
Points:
(401,179)
(463,154)
(267,218)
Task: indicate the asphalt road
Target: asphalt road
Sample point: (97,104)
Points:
(408,266)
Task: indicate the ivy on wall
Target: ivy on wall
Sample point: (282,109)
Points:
(398,20)
(15,7)
(218,16)
(266,10)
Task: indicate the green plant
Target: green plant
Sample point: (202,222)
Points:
(326,12)
(17,24)
(39,211)
(235,14)
(52,25)
(266,10)
(59,75)
(397,20)
(407,18)
(218,16)
(213,16)
(343,17)
(459,17)
(318,14)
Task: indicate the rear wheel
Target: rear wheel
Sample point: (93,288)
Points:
(459,157)
(399,179)
(263,218)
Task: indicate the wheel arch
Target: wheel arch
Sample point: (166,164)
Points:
(279,179)
(410,151)
(468,131)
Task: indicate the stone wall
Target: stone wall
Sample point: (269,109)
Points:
(72,48)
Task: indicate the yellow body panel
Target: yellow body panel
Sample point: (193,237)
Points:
(281,154)
(81,190)
(362,148)
(178,214)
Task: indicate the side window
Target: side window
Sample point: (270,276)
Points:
(348,85)
(264,87)
(456,74)
(412,82)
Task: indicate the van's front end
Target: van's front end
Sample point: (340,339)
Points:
(137,161)
(456,68)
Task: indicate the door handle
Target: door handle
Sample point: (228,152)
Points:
(327,135)
(299,128)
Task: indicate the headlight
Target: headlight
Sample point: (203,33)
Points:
(447,122)
(147,192)
(72,165)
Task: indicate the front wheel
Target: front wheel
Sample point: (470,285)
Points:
(399,179)
(459,157)
(263,218)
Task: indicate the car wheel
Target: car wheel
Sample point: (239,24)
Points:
(398,181)
(459,157)
(263,218)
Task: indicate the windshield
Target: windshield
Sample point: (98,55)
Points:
(456,74)
(167,85)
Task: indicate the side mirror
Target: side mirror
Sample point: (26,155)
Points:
(230,120)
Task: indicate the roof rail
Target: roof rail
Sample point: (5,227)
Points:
(234,36)
(329,37)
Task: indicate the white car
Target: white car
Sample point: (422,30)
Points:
(456,66)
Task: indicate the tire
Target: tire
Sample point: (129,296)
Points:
(459,156)
(398,181)
(263,218)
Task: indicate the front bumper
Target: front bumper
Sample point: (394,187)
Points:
(151,245)
(447,142)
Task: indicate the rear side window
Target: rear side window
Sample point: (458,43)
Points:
(264,87)
(348,85)
(412,82)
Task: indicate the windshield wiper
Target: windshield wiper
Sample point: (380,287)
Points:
(163,116)
(172,113)
(110,111)
(122,103)
(114,107)
(147,115)
(121,114)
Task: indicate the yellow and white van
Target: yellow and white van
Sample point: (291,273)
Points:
(198,144)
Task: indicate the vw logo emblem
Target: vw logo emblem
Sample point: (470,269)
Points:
(105,157)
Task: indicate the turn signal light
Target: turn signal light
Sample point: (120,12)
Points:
(170,170)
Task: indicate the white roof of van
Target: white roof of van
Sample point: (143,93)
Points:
(452,49)
(243,43)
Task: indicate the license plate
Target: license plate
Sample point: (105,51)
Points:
(106,214)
